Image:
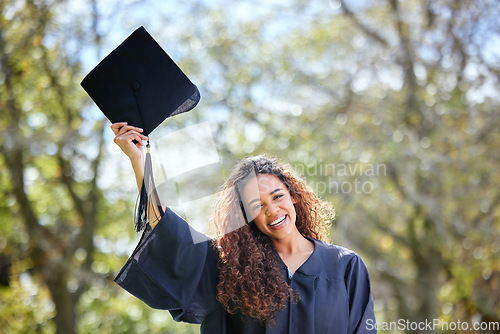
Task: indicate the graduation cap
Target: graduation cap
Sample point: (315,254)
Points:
(140,84)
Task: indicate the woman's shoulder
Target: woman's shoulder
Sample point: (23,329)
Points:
(335,259)
(336,251)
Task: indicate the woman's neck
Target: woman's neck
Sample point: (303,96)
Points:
(294,244)
(294,250)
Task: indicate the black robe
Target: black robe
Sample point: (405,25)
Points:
(169,271)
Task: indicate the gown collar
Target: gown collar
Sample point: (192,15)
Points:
(309,263)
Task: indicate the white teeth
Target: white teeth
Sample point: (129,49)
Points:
(277,221)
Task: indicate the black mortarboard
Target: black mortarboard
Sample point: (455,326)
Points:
(140,84)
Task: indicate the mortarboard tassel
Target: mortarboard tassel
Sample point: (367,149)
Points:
(148,197)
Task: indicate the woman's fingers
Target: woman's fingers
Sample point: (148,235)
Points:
(122,127)
(130,139)
(127,128)
(129,136)
(117,126)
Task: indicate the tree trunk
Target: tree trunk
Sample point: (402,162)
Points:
(427,291)
(65,305)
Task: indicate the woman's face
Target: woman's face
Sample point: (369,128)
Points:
(268,203)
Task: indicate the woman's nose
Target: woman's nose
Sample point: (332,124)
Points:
(271,209)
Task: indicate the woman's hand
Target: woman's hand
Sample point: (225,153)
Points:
(124,137)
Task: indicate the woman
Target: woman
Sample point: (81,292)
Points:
(266,272)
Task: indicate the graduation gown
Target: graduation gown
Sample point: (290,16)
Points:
(168,271)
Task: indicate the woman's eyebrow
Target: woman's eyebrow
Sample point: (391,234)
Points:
(258,200)
(275,190)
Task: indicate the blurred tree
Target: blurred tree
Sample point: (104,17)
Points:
(59,219)
(54,207)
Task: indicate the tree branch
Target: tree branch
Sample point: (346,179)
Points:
(363,27)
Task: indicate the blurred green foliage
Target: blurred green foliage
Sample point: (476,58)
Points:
(389,109)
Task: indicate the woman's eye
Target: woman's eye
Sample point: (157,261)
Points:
(278,196)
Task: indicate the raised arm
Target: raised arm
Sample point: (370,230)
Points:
(125,135)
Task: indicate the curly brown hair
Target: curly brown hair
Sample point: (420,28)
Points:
(250,280)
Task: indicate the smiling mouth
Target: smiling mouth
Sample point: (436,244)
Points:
(277,221)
